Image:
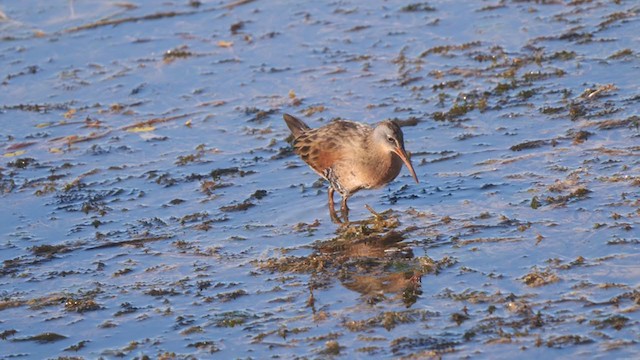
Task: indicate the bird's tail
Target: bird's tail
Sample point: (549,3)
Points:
(296,125)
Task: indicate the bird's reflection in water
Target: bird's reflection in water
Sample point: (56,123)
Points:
(376,264)
(368,257)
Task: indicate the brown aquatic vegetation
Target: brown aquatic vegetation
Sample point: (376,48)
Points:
(81,305)
(529,145)
(361,256)
(43,338)
(560,341)
(528,157)
(540,278)
(49,250)
(387,320)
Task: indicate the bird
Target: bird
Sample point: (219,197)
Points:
(351,156)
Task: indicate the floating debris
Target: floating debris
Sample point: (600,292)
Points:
(44,338)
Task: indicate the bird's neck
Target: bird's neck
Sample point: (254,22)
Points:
(383,166)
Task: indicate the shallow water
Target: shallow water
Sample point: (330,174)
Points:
(152,205)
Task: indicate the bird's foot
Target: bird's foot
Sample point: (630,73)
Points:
(375,213)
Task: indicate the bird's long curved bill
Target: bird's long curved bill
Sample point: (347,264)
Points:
(407,161)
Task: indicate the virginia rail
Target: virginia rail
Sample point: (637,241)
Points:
(351,156)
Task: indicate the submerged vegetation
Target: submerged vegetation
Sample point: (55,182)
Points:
(153,207)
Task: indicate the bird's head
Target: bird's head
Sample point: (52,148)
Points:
(388,135)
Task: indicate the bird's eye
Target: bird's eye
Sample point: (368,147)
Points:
(391,140)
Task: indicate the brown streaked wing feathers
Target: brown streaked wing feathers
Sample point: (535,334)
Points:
(320,153)
(321,148)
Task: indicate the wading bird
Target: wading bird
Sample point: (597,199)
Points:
(351,156)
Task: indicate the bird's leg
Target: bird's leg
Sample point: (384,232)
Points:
(332,209)
(344,209)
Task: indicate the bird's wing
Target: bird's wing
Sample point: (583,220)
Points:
(322,147)
(318,151)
